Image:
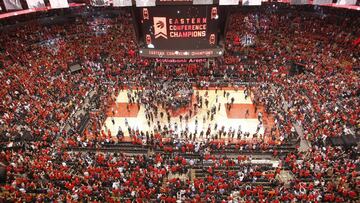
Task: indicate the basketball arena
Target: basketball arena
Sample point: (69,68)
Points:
(179,101)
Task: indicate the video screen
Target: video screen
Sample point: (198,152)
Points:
(179,27)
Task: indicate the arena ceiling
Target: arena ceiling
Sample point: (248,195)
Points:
(10,8)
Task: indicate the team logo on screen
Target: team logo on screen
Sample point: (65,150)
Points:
(160,27)
(214,14)
(212,39)
(145,14)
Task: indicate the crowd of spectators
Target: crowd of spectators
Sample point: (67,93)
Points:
(324,98)
(327,175)
(40,95)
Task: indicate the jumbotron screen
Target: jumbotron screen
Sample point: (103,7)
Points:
(179,27)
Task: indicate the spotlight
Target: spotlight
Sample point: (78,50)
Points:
(151,46)
(176,52)
(140,51)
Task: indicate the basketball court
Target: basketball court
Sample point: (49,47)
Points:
(242,115)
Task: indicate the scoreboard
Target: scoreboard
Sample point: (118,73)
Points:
(180,27)
(183,29)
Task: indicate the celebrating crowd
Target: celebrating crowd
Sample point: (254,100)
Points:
(40,97)
(168,94)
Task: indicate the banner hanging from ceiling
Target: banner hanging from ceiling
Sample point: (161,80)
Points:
(145,3)
(320,2)
(298,2)
(346,2)
(35,3)
(228,2)
(100,2)
(122,3)
(12,4)
(251,2)
(59,4)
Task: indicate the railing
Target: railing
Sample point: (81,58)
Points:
(216,81)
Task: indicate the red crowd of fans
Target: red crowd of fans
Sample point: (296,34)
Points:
(40,95)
